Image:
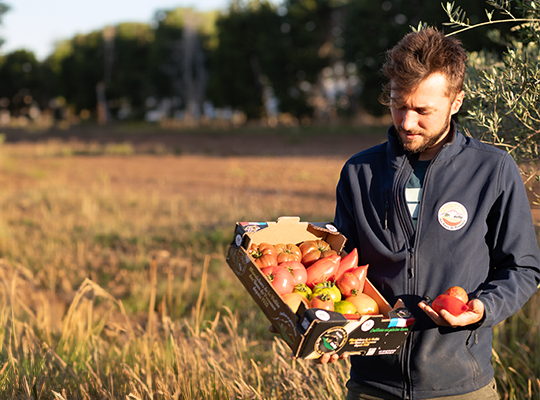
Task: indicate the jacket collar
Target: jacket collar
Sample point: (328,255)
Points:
(397,156)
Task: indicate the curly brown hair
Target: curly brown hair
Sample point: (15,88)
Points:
(417,56)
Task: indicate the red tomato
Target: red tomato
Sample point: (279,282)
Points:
(281,279)
(297,269)
(451,304)
(287,252)
(348,263)
(313,250)
(322,270)
(458,293)
(323,301)
(361,273)
(264,254)
(348,284)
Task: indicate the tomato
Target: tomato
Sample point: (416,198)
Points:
(293,300)
(323,301)
(303,289)
(264,254)
(313,250)
(348,263)
(297,269)
(329,288)
(348,284)
(280,278)
(458,293)
(364,304)
(361,273)
(288,252)
(345,307)
(449,303)
(322,270)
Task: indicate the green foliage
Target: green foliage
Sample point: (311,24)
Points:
(503,99)
(370,28)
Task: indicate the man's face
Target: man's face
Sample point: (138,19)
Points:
(422,118)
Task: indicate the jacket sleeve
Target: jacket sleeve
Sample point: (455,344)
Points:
(344,218)
(515,256)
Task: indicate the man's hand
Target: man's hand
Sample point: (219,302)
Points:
(329,359)
(444,318)
(325,358)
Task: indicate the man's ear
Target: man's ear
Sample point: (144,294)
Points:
(458,101)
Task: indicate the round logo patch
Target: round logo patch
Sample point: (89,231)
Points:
(453,216)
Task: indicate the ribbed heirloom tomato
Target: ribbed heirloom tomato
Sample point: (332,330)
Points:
(313,250)
(288,252)
(264,254)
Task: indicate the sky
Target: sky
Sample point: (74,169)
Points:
(36,25)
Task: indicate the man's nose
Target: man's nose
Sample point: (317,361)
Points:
(410,120)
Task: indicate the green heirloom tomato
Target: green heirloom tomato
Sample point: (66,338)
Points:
(303,289)
(329,288)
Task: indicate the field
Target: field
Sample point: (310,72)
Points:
(112,263)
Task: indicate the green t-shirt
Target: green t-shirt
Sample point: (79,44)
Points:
(413,192)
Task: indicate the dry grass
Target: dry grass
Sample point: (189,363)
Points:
(115,285)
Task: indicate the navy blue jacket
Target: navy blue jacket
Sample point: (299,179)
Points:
(474,230)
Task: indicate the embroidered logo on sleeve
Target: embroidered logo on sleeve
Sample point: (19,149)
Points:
(453,216)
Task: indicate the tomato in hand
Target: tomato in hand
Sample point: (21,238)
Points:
(348,284)
(288,252)
(264,254)
(322,270)
(280,278)
(449,303)
(297,269)
(313,250)
(458,293)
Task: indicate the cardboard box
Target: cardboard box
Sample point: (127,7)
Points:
(310,333)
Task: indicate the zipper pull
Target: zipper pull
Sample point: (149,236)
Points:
(386,209)
(411,269)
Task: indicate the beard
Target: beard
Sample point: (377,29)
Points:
(428,140)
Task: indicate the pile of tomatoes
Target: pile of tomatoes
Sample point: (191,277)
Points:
(312,273)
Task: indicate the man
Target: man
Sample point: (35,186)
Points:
(430,209)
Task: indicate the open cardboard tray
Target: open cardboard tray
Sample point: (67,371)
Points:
(310,333)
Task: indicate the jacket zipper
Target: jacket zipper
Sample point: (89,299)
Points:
(406,229)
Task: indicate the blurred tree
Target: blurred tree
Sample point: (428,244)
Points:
(127,83)
(267,55)
(249,40)
(22,81)
(177,58)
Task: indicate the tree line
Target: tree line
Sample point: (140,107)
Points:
(306,58)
